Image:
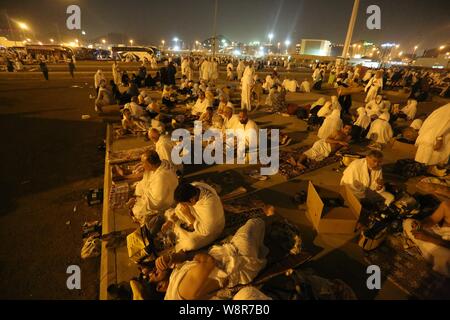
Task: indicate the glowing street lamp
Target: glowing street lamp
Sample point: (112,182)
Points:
(131,41)
(103,41)
(51,40)
(83,33)
(23,25)
(287,43)
(270,36)
(441,47)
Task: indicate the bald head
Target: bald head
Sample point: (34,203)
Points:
(154,134)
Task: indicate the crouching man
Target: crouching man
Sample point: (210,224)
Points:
(364,177)
(198,219)
(225,266)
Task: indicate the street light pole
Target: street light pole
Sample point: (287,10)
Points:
(215,28)
(351,27)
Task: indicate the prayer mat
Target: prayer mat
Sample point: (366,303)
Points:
(409,270)
(289,171)
(119,195)
(128,155)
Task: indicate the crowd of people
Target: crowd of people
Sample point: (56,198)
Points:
(193,213)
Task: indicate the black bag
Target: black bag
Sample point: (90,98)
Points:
(409,168)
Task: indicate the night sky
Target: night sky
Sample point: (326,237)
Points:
(409,22)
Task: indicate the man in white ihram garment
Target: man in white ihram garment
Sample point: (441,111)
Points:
(198,219)
(236,262)
(380,130)
(155,192)
(246,84)
(364,177)
(432,237)
(240,69)
(164,146)
(332,123)
(205,70)
(433,141)
(116,74)
(230,68)
(375,84)
(200,105)
(410,110)
(373,107)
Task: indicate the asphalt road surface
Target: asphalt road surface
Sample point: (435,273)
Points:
(49,160)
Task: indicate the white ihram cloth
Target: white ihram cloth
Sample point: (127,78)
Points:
(237,262)
(374,106)
(164,148)
(268,84)
(305,86)
(319,102)
(319,151)
(332,123)
(240,69)
(250,294)
(154,193)
(417,124)
(246,83)
(363,120)
(410,110)
(380,130)
(357,178)
(290,85)
(200,106)
(325,110)
(372,88)
(436,125)
(206,70)
(209,221)
(230,70)
(439,256)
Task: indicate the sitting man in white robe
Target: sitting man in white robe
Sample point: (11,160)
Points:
(155,192)
(433,141)
(364,177)
(198,219)
(237,262)
(373,107)
(246,130)
(230,120)
(200,105)
(432,237)
(324,147)
(332,123)
(380,130)
(305,86)
(290,85)
(164,146)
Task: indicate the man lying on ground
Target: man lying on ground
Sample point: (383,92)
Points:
(432,237)
(228,265)
(324,148)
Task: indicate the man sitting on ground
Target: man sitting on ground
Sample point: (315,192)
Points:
(198,219)
(324,147)
(364,177)
(200,106)
(155,192)
(164,146)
